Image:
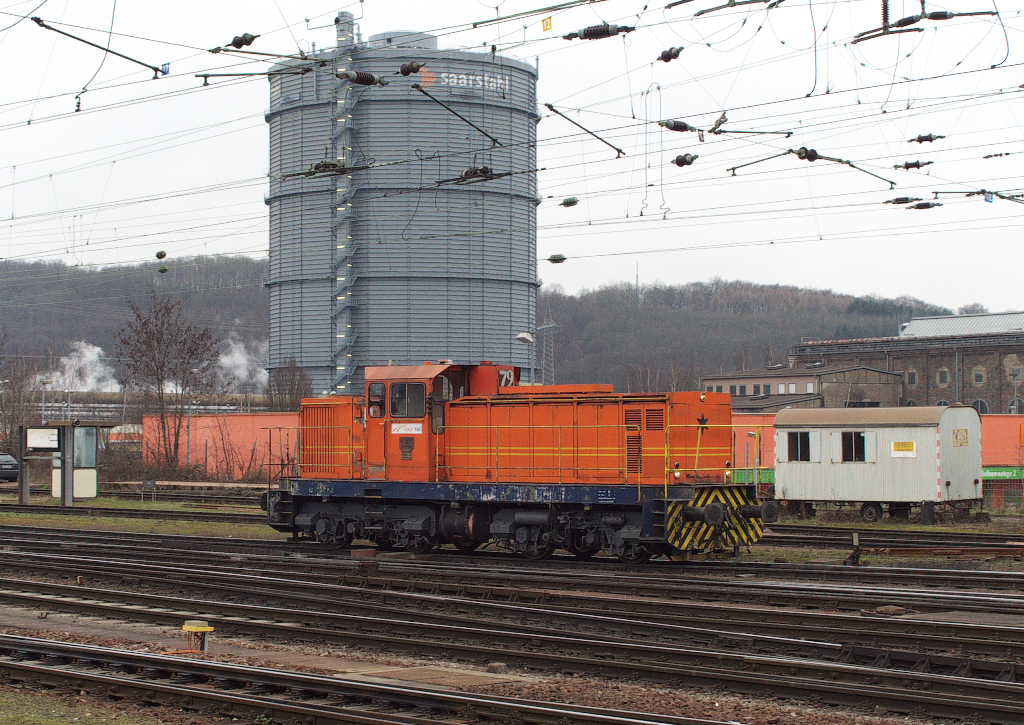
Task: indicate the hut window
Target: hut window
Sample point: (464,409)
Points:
(800,446)
(853,447)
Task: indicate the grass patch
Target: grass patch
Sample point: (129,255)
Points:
(120,503)
(144,526)
(29,707)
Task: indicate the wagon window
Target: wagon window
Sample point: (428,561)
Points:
(853,447)
(408,400)
(800,446)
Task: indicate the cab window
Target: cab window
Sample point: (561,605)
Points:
(408,400)
(375,398)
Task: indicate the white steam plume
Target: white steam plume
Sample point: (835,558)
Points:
(242,367)
(83,370)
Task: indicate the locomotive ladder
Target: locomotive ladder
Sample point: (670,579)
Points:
(658,510)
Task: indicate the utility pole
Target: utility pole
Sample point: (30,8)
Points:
(546,333)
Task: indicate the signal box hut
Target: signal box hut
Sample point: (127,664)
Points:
(891,458)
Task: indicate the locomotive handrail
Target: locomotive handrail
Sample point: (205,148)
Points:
(299,448)
(620,451)
(696,457)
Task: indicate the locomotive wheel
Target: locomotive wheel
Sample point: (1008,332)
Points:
(467,547)
(541,551)
(581,553)
(342,542)
(638,554)
(420,547)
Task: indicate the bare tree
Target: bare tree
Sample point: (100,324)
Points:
(287,387)
(974,308)
(170,360)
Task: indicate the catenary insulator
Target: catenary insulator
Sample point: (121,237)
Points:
(676,125)
(684,160)
(161,254)
(474,172)
(996,156)
(571,201)
(411,67)
(361,78)
(596,32)
(805,154)
(669,55)
(925,205)
(941,15)
(556,258)
(242,40)
(885,13)
(719,123)
(922,139)
(907,165)
(904,22)
(162,269)
(901,200)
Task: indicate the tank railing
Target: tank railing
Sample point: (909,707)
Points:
(619,452)
(330,450)
(673,473)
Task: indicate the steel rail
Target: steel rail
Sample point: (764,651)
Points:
(284,693)
(130,513)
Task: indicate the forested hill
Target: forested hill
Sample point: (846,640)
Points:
(657,337)
(47,306)
(666,337)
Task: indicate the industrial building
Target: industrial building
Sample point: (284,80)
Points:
(402,220)
(975,360)
(769,390)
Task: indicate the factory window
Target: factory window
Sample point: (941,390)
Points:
(910,404)
(941,402)
(375,396)
(981,406)
(782,388)
(1015,375)
(767,388)
(942,378)
(711,388)
(408,400)
(757,390)
(912,377)
(732,390)
(800,446)
(1016,407)
(792,388)
(718,388)
(979,376)
(853,447)
(743,390)
(810,387)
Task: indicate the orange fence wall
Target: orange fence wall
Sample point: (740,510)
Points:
(745,447)
(232,446)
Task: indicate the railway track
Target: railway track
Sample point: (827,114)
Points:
(876,538)
(131,513)
(561,639)
(282,696)
(162,495)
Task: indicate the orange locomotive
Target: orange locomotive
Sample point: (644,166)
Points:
(461,454)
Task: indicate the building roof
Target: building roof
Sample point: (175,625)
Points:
(862,417)
(788,372)
(981,324)
(762,402)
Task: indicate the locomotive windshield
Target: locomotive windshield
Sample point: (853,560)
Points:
(408,400)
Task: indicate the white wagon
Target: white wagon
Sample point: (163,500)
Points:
(895,458)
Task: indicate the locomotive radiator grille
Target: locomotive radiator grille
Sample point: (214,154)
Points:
(697,536)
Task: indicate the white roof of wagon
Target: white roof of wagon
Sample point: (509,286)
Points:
(862,417)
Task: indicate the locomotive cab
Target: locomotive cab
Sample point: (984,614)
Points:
(406,410)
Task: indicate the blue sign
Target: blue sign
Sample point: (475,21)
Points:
(165,69)
(988,196)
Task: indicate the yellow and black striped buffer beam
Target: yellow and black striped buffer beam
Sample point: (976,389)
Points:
(697,536)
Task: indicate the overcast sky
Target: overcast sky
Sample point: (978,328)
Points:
(167,164)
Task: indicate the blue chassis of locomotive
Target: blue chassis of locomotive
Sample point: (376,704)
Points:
(644,497)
